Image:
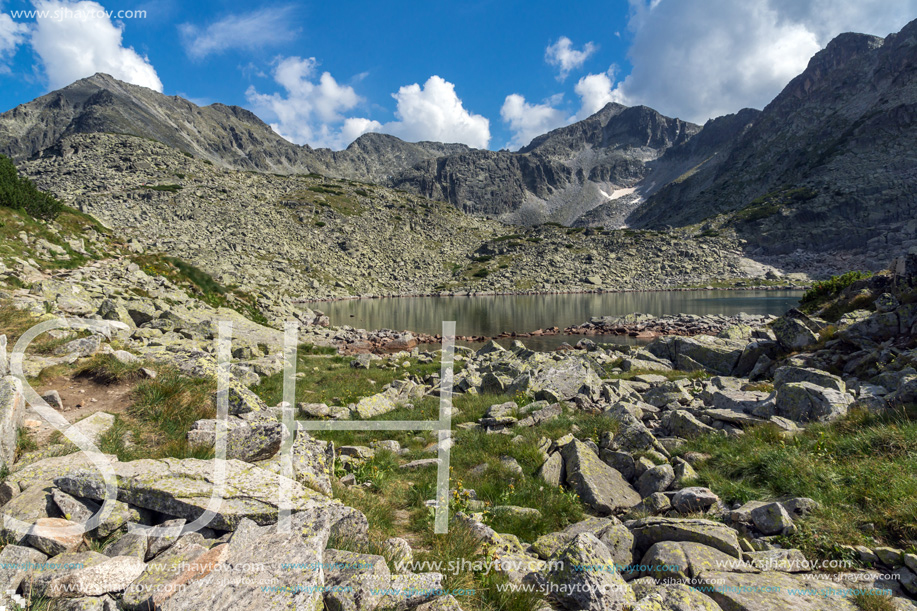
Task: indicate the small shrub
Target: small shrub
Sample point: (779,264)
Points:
(18,193)
(873,601)
(481,273)
(165,188)
(106,369)
(831,288)
(320,223)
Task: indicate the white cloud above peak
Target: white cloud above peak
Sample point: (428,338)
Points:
(308,109)
(312,111)
(435,112)
(246,31)
(527,121)
(86,42)
(12,35)
(566,58)
(702,59)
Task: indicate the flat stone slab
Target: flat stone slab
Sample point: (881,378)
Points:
(650,531)
(183,488)
(601,487)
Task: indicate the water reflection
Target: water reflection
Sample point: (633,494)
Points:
(522,313)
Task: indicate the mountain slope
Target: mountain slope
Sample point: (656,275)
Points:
(228,136)
(829,164)
(559,176)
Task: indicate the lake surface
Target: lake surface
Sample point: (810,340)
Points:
(492,315)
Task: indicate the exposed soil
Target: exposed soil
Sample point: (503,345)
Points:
(82,396)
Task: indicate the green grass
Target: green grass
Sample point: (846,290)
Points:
(158,420)
(166,188)
(675,374)
(865,601)
(331,380)
(858,469)
(24,442)
(106,369)
(198,283)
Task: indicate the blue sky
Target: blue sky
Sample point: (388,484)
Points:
(490,73)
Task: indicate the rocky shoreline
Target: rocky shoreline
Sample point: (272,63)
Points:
(762,287)
(636,325)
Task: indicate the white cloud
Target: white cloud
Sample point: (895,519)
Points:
(355,127)
(83,42)
(527,121)
(565,57)
(595,91)
(307,111)
(434,112)
(313,112)
(12,34)
(246,31)
(697,60)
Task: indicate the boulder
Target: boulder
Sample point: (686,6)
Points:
(681,561)
(632,435)
(354,581)
(770,591)
(737,400)
(178,566)
(12,410)
(663,394)
(806,402)
(657,479)
(412,590)
(552,471)
(183,488)
(652,505)
(682,423)
(649,531)
(584,576)
(599,486)
(16,564)
(249,441)
(441,603)
(789,374)
(772,519)
(783,560)
(610,531)
(60,566)
(565,379)
(670,597)
(795,331)
(700,352)
(690,500)
(55,536)
(313,462)
(260,555)
(112,575)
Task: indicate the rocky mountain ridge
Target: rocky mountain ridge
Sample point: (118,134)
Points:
(826,167)
(319,238)
(828,164)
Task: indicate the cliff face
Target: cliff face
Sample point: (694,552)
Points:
(560,176)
